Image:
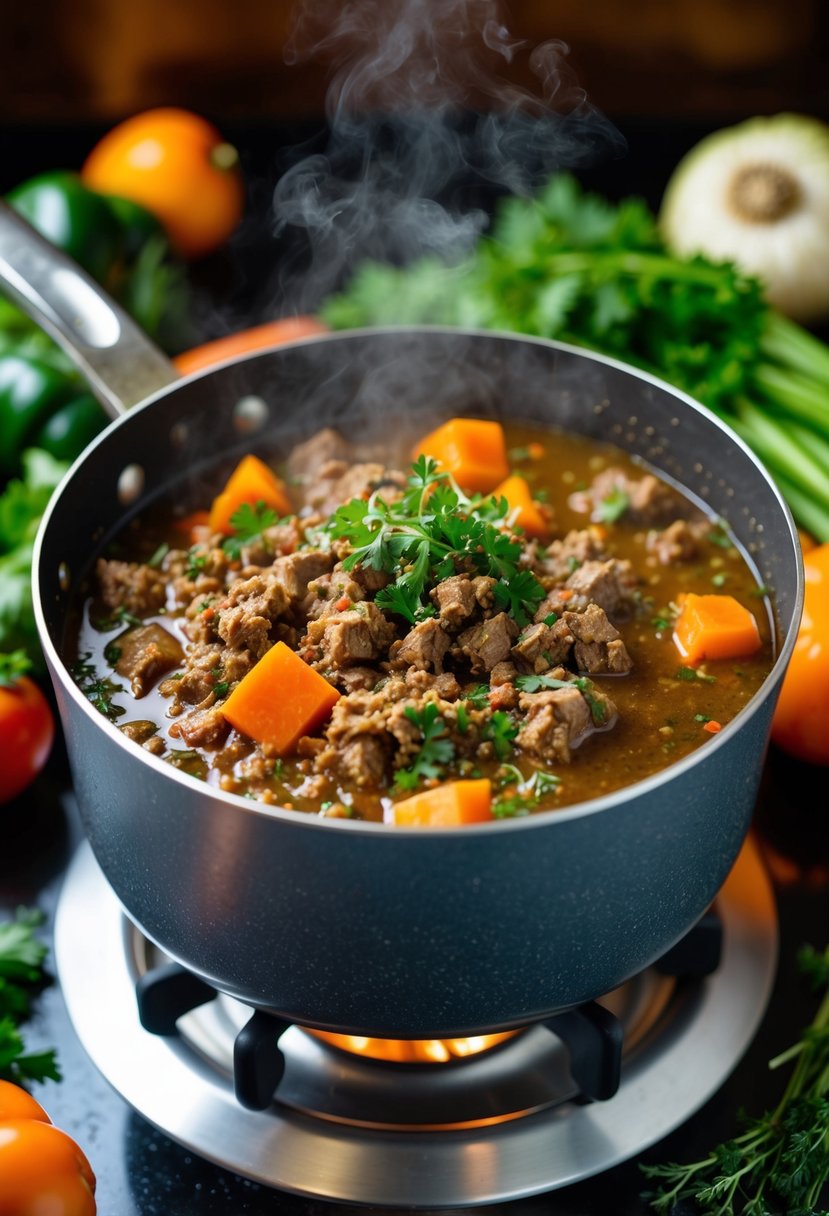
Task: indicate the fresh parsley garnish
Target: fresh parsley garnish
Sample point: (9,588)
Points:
(436,751)
(430,532)
(119,617)
(500,730)
(691,673)
(196,563)
(528,793)
(720,538)
(21,974)
(478,697)
(550,619)
(597,707)
(613,506)
(462,718)
(248,523)
(99,691)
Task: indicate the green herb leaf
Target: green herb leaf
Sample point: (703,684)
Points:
(691,673)
(613,506)
(248,523)
(501,731)
(99,691)
(436,751)
(597,706)
(12,667)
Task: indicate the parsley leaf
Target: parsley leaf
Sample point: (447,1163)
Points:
(12,667)
(478,697)
(597,707)
(99,691)
(691,673)
(519,596)
(21,970)
(248,523)
(436,751)
(613,506)
(527,796)
(500,730)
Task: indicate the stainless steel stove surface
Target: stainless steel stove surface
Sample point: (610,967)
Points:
(498,1125)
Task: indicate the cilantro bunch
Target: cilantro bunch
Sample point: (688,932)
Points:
(21,972)
(431,532)
(572,266)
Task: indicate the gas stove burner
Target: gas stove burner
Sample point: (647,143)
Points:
(501,1123)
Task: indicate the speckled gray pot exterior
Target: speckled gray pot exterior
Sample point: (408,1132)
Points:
(362,927)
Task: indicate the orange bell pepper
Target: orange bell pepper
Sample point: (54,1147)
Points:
(446,806)
(801,720)
(42,1170)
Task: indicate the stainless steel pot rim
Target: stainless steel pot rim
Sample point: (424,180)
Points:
(593,806)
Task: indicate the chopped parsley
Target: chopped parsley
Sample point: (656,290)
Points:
(478,697)
(720,538)
(528,793)
(248,523)
(500,730)
(196,563)
(613,506)
(719,579)
(12,667)
(597,707)
(119,617)
(436,751)
(99,691)
(21,974)
(429,533)
(691,673)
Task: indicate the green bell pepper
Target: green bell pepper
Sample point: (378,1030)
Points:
(30,392)
(73,218)
(72,426)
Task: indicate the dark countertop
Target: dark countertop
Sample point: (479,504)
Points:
(140,1172)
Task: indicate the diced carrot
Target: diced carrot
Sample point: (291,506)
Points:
(446,806)
(189,523)
(472,450)
(712,727)
(280,700)
(343,603)
(250,482)
(528,513)
(535,451)
(714,627)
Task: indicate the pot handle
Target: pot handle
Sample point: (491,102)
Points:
(122,365)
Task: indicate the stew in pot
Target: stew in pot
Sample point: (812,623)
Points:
(504,621)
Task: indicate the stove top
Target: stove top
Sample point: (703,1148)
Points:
(355,1130)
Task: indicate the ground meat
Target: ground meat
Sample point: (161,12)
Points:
(598,644)
(459,596)
(325,592)
(365,761)
(356,636)
(543,646)
(650,502)
(679,542)
(423,648)
(245,618)
(445,685)
(564,556)
(138,589)
(557,721)
(204,726)
(307,458)
(353,679)
(370,580)
(502,673)
(146,653)
(337,483)
(488,643)
(610,584)
(297,570)
(205,666)
(279,539)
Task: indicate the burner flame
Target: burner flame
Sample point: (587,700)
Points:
(413,1051)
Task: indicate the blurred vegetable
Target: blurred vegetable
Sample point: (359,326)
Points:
(72,218)
(177,165)
(272,333)
(43,1172)
(801,720)
(21,505)
(68,431)
(758,194)
(251,484)
(30,391)
(27,727)
(571,266)
(21,974)
(471,450)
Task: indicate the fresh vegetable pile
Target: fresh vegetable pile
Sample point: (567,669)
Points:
(571,266)
(21,974)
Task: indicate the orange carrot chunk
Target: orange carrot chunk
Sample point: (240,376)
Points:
(446,806)
(250,482)
(474,452)
(280,700)
(526,511)
(714,627)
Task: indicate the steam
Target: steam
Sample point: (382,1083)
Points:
(425,129)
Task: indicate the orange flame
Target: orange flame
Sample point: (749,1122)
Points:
(413,1051)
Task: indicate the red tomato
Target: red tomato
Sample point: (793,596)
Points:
(27,729)
(801,720)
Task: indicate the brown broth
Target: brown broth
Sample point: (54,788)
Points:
(664,713)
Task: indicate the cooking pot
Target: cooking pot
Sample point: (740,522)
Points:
(361,927)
